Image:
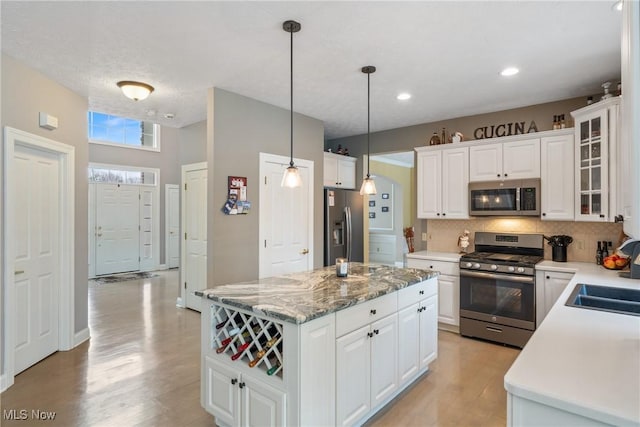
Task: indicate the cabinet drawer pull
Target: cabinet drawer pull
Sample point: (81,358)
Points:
(373,311)
(376,331)
(370,334)
(421,292)
(241,385)
(234,381)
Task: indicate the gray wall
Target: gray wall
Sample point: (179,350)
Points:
(405,139)
(26,92)
(193,143)
(239,129)
(166,160)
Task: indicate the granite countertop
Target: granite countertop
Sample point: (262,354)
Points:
(301,297)
(583,361)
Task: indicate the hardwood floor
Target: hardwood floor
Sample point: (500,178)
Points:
(142,368)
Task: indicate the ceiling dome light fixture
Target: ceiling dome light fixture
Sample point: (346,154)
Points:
(403,96)
(291,177)
(509,71)
(368,185)
(135,90)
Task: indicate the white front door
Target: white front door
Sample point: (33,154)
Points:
(37,257)
(117,228)
(194,269)
(172,228)
(286,218)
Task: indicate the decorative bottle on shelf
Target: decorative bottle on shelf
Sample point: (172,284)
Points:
(590,100)
(435,139)
(563,124)
(443,138)
(599,256)
(555,123)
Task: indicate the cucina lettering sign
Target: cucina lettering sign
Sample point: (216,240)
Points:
(504,129)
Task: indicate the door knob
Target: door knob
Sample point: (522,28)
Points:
(305,251)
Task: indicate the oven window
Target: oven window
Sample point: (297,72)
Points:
(498,297)
(493,200)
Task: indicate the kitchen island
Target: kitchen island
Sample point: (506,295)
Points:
(314,349)
(581,367)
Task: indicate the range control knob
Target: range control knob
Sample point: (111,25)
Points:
(511,269)
(494,267)
(468,265)
(520,270)
(476,265)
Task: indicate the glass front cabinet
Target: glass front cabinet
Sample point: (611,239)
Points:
(596,140)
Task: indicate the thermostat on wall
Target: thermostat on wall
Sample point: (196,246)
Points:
(48,121)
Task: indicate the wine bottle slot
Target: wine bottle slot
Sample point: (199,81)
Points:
(241,350)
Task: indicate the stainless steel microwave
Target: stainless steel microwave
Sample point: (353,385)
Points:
(518,197)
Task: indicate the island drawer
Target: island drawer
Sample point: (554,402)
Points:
(362,314)
(443,267)
(414,293)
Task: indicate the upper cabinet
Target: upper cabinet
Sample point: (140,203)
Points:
(339,171)
(596,134)
(442,182)
(509,160)
(557,176)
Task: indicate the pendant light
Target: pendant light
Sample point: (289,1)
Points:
(291,177)
(368,186)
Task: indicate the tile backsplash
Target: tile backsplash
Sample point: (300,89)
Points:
(442,235)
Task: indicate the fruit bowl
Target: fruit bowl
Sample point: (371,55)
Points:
(615,262)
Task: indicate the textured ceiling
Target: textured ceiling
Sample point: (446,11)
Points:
(446,54)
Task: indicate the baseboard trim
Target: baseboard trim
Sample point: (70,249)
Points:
(179,302)
(163,267)
(81,337)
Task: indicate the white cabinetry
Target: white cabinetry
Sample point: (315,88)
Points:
(366,357)
(442,182)
(339,171)
(557,176)
(549,286)
(596,134)
(417,329)
(448,289)
(241,401)
(509,160)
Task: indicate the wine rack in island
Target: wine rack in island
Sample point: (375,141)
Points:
(246,338)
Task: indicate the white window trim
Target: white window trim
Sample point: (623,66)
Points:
(156,137)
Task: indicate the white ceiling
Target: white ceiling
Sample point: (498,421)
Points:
(447,54)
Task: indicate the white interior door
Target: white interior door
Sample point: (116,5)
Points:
(286,219)
(117,228)
(37,255)
(194,269)
(172,225)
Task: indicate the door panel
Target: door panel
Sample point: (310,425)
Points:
(384,359)
(408,343)
(117,228)
(37,257)
(353,376)
(195,269)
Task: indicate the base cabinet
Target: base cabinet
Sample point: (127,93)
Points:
(549,286)
(527,413)
(241,401)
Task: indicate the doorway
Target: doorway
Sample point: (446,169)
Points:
(193,265)
(172,225)
(286,218)
(38,263)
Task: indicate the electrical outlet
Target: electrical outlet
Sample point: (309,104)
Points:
(424,237)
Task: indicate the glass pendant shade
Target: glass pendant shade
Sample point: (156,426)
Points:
(135,90)
(291,178)
(368,186)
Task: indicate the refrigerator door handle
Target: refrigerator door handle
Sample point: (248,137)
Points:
(344,233)
(349,234)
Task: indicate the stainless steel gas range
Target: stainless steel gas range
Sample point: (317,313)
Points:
(497,287)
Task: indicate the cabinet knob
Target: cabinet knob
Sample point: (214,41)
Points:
(506,175)
(369,334)
(444,214)
(234,381)
(431,267)
(548,277)
(544,214)
(438,214)
(241,385)
(421,292)
(498,175)
(373,311)
(601,215)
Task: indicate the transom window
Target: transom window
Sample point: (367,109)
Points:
(124,132)
(111,174)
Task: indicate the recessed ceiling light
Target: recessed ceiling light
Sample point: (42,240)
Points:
(617,6)
(403,96)
(509,71)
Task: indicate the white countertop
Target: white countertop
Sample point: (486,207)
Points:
(436,256)
(580,360)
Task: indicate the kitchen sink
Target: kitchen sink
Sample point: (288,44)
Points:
(606,298)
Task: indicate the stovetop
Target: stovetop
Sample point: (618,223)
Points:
(513,259)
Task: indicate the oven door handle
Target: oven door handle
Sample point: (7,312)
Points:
(483,275)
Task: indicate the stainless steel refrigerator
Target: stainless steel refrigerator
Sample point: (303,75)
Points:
(343,232)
